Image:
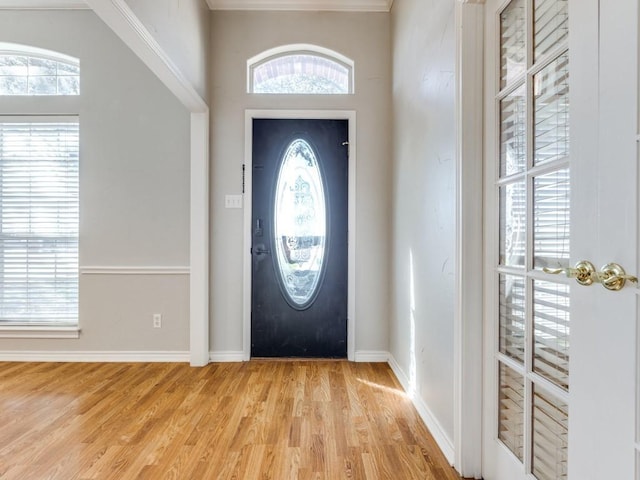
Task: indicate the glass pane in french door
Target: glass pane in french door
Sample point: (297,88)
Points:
(551,332)
(511,418)
(551,219)
(513,133)
(512,317)
(532,187)
(512,42)
(549,449)
(551,25)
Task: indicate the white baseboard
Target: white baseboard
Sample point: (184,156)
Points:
(101,356)
(373,356)
(239,356)
(98,356)
(436,430)
(225,357)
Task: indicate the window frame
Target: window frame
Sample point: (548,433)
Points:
(13,49)
(300,49)
(53,108)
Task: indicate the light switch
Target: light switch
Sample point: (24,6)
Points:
(233,201)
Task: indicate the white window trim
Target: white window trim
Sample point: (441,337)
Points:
(39,331)
(21,329)
(35,108)
(29,51)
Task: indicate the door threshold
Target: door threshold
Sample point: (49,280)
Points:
(297,359)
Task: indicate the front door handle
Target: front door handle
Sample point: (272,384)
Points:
(260,250)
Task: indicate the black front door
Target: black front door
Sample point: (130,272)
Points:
(299,238)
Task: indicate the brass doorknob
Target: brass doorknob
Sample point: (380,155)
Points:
(584,272)
(613,277)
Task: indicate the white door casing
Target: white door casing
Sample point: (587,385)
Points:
(469,265)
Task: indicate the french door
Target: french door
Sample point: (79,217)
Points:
(562,215)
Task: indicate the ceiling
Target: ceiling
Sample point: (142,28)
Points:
(309,5)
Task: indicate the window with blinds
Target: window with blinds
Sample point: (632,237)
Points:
(39,217)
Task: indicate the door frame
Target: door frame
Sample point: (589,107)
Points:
(507,463)
(250,114)
(470,241)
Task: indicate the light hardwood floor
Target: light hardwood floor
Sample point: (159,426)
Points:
(280,420)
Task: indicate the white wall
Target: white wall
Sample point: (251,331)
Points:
(422,316)
(364,37)
(181,28)
(134,186)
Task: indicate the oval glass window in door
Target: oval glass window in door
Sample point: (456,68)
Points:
(300,223)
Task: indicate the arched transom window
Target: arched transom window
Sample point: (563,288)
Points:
(34,71)
(300,69)
(39,194)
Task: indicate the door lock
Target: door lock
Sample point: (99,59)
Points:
(260,250)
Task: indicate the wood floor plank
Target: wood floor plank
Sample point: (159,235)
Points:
(262,420)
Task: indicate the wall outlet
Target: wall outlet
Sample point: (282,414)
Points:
(157,320)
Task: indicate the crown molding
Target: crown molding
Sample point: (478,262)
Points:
(277,5)
(303,5)
(43,5)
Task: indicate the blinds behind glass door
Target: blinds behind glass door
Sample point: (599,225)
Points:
(39,215)
(533,192)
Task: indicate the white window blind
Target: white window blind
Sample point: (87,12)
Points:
(39,217)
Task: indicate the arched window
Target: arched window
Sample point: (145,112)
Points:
(300,69)
(34,71)
(39,195)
